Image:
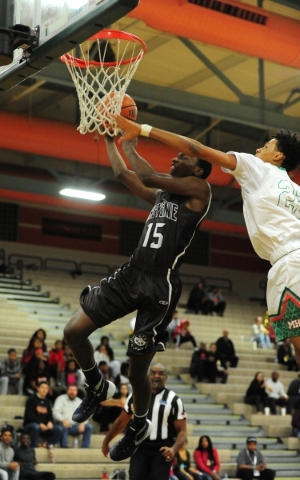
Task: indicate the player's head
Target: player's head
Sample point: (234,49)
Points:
(282,150)
(289,145)
(186,166)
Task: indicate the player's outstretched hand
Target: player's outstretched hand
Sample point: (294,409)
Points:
(131,129)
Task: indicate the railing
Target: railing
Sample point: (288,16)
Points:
(22,261)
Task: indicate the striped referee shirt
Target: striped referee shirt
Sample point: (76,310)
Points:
(165,407)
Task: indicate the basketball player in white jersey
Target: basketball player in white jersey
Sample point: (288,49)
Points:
(271,211)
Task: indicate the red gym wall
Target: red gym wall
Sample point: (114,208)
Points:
(226,251)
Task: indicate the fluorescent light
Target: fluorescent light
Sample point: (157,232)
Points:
(72,192)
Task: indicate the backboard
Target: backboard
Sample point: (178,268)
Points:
(63,25)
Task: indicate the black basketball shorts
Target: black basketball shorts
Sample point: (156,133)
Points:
(154,296)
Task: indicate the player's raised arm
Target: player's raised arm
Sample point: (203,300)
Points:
(126,176)
(182,144)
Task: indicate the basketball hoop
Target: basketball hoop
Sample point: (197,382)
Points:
(101,84)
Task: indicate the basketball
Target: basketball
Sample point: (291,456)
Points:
(129,108)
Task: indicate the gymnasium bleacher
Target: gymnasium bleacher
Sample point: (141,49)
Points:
(47,300)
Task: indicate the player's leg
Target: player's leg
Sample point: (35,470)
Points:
(140,427)
(76,334)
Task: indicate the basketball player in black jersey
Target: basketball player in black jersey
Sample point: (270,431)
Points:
(148,283)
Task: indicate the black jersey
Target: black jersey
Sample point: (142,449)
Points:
(168,232)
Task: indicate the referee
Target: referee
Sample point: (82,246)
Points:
(152,460)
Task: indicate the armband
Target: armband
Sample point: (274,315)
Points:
(145,130)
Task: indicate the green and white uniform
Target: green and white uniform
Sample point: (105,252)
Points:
(272,214)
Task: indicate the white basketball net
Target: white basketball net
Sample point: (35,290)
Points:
(101,84)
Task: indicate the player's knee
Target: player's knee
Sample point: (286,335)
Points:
(69,335)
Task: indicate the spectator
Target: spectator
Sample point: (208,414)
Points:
(198,362)
(276,394)
(11,373)
(182,465)
(9,469)
(101,354)
(123,377)
(109,410)
(296,420)
(198,301)
(62,413)
(256,393)
(226,350)
(251,463)
(104,340)
(57,362)
(41,335)
(207,459)
(39,373)
(114,365)
(33,351)
(173,324)
(25,456)
(74,376)
(182,334)
(38,418)
(294,392)
(285,355)
(260,334)
(216,297)
(214,368)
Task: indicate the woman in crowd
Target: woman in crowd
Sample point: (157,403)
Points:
(182,466)
(256,393)
(207,459)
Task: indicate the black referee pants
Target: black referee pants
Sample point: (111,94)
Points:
(148,464)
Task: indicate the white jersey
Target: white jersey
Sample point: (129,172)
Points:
(271,206)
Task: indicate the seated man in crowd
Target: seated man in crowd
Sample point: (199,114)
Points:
(198,362)
(10,373)
(25,456)
(251,463)
(276,394)
(218,303)
(214,367)
(9,468)
(226,350)
(285,355)
(63,409)
(38,418)
(198,301)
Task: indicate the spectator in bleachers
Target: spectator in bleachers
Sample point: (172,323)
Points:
(42,335)
(182,334)
(39,373)
(11,373)
(276,394)
(256,393)
(9,468)
(218,303)
(114,365)
(38,418)
(182,465)
(198,362)
(109,410)
(33,351)
(173,324)
(56,361)
(260,334)
(294,392)
(296,420)
(285,355)
(25,456)
(207,459)
(214,367)
(251,463)
(101,354)
(198,301)
(63,410)
(123,376)
(73,376)
(226,350)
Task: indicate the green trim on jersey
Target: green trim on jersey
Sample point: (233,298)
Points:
(286,322)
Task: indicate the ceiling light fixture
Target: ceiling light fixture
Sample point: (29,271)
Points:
(72,192)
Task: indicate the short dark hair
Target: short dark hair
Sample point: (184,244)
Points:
(206,166)
(289,145)
(11,350)
(42,382)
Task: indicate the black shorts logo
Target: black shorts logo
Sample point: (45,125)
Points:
(139,342)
